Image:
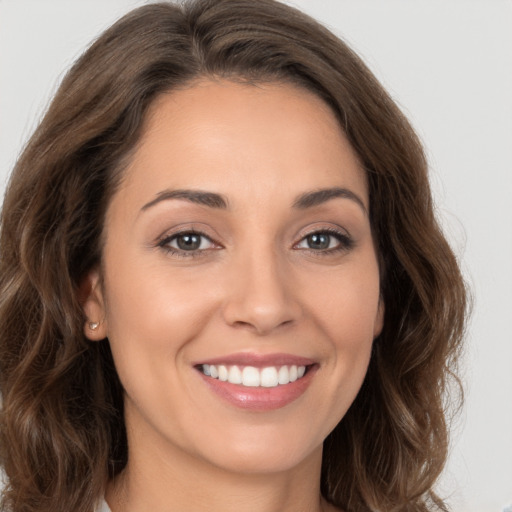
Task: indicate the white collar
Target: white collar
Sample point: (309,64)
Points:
(103,507)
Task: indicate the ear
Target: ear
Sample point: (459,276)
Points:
(379,319)
(93,304)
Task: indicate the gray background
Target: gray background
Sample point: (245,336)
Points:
(448,64)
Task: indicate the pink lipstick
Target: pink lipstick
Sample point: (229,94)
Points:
(258,382)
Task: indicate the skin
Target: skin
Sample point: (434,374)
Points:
(256,284)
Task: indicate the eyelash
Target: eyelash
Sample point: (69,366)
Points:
(345,243)
(180,253)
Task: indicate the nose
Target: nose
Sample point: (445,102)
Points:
(260,295)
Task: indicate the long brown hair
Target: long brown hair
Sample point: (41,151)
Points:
(62,433)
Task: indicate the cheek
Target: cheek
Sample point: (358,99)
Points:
(156,306)
(153,319)
(346,302)
(346,310)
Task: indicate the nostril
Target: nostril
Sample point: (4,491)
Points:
(261,327)
(260,301)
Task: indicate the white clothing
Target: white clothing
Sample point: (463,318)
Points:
(103,507)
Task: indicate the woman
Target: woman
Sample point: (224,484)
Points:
(222,282)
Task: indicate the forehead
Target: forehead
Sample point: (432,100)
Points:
(263,138)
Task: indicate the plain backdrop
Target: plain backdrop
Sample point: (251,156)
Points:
(448,64)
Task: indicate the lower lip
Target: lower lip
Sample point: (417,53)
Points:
(260,398)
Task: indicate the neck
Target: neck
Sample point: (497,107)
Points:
(164,482)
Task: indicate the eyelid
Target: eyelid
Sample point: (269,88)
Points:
(188,227)
(324,228)
(164,240)
(346,242)
(173,238)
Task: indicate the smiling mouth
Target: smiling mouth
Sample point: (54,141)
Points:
(258,382)
(250,376)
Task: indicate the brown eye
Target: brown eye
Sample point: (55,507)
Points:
(325,242)
(319,241)
(188,241)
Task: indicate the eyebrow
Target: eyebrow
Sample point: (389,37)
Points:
(318,197)
(214,200)
(210,199)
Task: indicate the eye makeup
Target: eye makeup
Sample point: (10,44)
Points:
(325,242)
(189,242)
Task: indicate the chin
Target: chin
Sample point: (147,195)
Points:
(265,461)
(264,450)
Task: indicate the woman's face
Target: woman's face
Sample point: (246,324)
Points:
(238,245)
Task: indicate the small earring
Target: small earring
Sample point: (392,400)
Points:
(93,325)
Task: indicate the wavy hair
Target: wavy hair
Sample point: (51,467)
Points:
(62,433)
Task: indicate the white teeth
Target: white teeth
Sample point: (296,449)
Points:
(268,377)
(223,373)
(250,377)
(284,375)
(235,375)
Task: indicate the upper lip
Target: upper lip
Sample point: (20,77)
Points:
(258,360)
